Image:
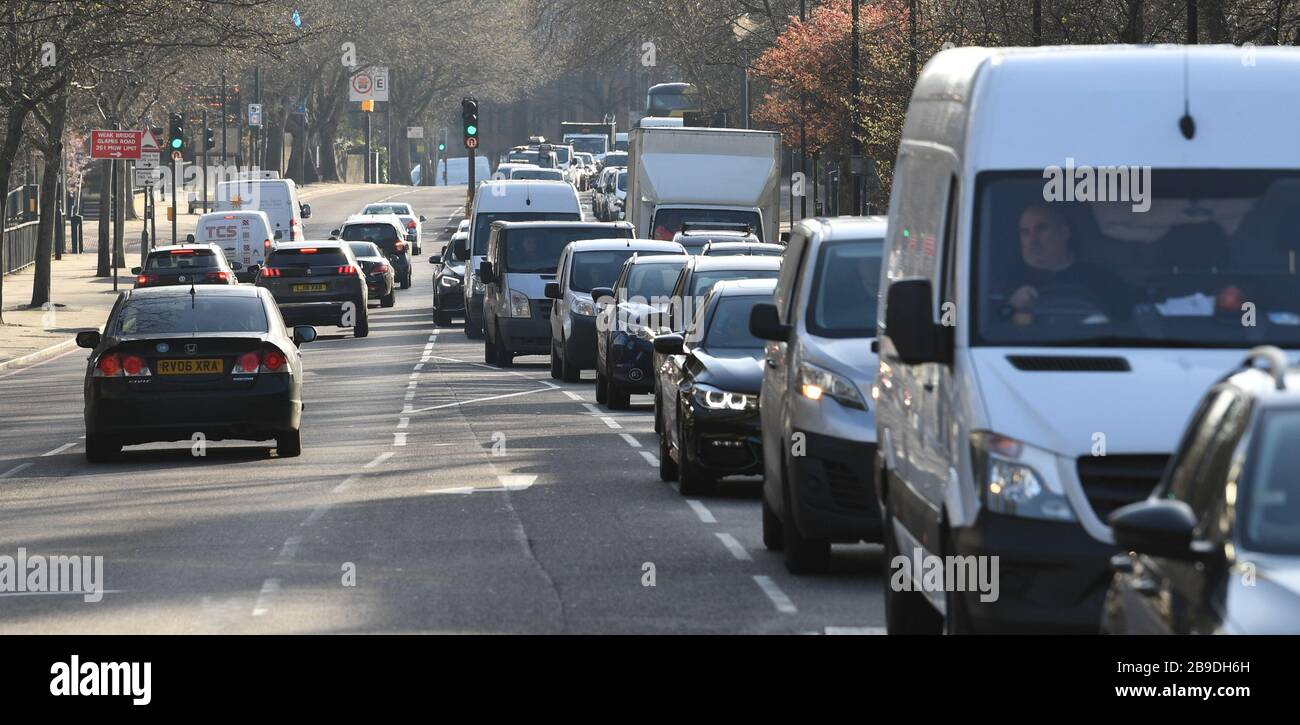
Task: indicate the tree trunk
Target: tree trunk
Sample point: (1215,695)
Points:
(13,134)
(274,142)
(105,195)
(329,165)
(49,200)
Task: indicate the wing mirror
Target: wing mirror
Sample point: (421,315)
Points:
(1157,527)
(303,334)
(552,290)
(765,324)
(669,344)
(305,210)
(135,270)
(88,338)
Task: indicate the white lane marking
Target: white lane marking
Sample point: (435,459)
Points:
(15,469)
(399,439)
(289,550)
(610,422)
(269,588)
(402,422)
(573,395)
(315,515)
(347,482)
(706,516)
(591,408)
(59,450)
(856,630)
(630,440)
(428,347)
(477,400)
(547,383)
(650,458)
(457,490)
(516,482)
(484,365)
(410,395)
(379,459)
(413,377)
(774,593)
(407,408)
(733,546)
(412,384)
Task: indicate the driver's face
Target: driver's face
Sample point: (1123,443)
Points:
(1044,238)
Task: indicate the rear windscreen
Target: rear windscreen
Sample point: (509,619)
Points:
(197,259)
(377,233)
(177,314)
(365,249)
(304,258)
(702,281)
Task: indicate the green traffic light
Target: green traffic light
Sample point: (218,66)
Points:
(442,147)
(176,143)
(471,130)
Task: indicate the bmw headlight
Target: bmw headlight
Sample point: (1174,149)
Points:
(816,383)
(519,304)
(1011,483)
(583,306)
(716,399)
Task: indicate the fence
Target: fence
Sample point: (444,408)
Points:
(18,251)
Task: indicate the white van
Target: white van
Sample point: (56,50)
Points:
(277,197)
(511,201)
(453,172)
(245,236)
(1081,242)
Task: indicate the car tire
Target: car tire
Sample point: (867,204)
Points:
(556,372)
(601,388)
(503,358)
(489,350)
(667,466)
(362,327)
(616,396)
(803,555)
(406,281)
(957,619)
(691,481)
(101,448)
(389,299)
(773,537)
(474,331)
(289,444)
(905,612)
(569,372)
(441,318)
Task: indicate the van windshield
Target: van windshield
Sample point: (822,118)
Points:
(588,144)
(844,289)
(1136,257)
(667,222)
(483,223)
(538,250)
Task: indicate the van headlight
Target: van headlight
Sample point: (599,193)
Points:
(1010,482)
(816,383)
(583,306)
(716,399)
(518,304)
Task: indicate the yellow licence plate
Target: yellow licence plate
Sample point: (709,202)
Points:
(309,288)
(207,366)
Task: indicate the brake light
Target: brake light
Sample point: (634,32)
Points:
(307,250)
(145,279)
(134,365)
(217,275)
(247,363)
(273,360)
(271,272)
(380,269)
(228,216)
(109,365)
(182,251)
(347,269)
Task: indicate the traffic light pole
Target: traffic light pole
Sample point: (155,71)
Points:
(469,190)
(205,161)
(175,208)
(367,176)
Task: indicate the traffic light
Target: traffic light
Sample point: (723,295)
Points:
(176,133)
(209,142)
(441,147)
(469,115)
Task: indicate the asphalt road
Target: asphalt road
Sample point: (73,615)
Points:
(434,494)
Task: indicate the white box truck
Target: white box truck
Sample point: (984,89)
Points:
(703,176)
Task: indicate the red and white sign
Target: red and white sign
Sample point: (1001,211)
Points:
(115,145)
(471,142)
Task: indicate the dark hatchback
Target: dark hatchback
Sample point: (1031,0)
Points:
(187,265)
(378,272)
(387,233)
(625,338)
(706,410)
(174,362)
(318,283)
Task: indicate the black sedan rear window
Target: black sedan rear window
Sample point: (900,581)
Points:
(184,314)
(189,259)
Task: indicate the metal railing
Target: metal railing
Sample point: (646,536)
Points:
(18,250)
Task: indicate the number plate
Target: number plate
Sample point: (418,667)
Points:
(206,366)
(309,288)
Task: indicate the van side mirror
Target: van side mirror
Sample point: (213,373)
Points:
(305,210)
(88,338)
(434,259)
(189,238)
(485,272)
(1158,527)
(669,344)
(334,233)
(460,249)
(422,219)
(765,323)
(910,325)
(552,290)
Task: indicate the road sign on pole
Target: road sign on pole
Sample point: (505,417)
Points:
(255,114)
(415,132)
(369,84)
(115,145)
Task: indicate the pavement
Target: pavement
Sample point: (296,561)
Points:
(434,494)
(81,300)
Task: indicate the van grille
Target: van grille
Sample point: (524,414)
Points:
(1110,482)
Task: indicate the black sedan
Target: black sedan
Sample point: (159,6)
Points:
(174,362)
(706,410)
(378,272)
(624,337)
(187,265)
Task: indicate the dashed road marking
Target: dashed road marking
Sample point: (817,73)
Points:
(573,395)
(706,516)
(733,546)
(347,482)
(774,593)
(402,422)
(610,422)
(379,459)
(315,515)
(399,439)
(650,458)
(15,470)
(59,450)
(263,604)
(630,440)
(289,550)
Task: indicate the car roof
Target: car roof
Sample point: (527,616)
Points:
(658,259)
(707,264)
(308,244)
(743,245)
(224,290)
(370,219)
(638,245)
(847,227)
(545,224)
(204,245)
(743,287)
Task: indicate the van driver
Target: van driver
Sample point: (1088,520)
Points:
(1050,267)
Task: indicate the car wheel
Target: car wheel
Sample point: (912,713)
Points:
(503,357)
(905,612)
(601,389)
(288,444)
(389,299)
(691,481)
(556,372)
(957,619)
(101,448)
(473,331)
(362,328)
(489,350)
(773,537)
(616,396)
(667,466)
(802,554)
(569,372)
